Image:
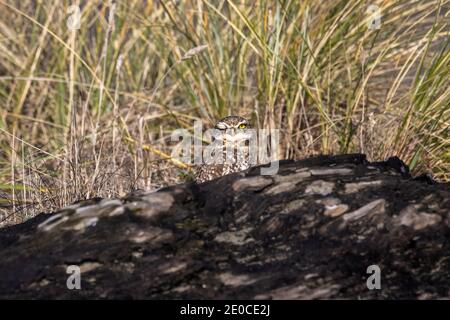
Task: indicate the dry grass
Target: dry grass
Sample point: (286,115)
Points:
(88,112)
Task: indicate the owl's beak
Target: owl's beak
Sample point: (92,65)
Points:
(230,135)
(235,134)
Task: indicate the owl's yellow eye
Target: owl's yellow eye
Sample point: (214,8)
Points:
(242,126)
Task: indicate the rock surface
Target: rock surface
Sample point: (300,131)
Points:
(309,232)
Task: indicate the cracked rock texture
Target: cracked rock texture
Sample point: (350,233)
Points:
(309,232)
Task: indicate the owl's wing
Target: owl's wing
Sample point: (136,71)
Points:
(208,172)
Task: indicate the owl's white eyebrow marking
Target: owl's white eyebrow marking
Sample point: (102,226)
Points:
(221,125)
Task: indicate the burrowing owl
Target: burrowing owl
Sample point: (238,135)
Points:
(231,128)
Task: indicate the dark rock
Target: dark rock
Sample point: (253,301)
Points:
(311,231)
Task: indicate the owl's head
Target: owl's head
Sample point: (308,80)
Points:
(233,122)
(233,128)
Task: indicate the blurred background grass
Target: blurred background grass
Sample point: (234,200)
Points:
(89,112)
